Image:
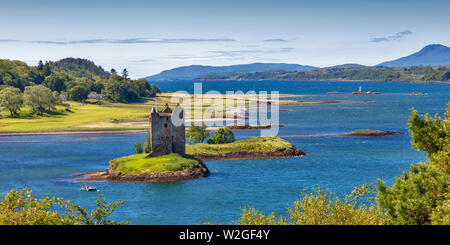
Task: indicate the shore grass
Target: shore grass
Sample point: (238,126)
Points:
(258,144)
(137,163)
(103,115)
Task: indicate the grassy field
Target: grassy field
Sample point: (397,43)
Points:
(138,163)
(258,144)
(103,115)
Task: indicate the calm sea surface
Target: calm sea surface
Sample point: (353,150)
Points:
(45,163)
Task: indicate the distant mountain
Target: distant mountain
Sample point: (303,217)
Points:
(434,54)
(344,67)
(196,71)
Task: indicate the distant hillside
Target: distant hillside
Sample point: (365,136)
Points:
(79,68)
(346,73)
(196,71)
(434,54)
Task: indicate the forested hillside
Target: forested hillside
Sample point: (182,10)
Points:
(347,73)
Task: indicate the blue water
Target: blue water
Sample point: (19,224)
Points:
(46,163)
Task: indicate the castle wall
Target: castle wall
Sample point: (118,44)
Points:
(164,132)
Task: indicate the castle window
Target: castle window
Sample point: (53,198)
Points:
(165,125)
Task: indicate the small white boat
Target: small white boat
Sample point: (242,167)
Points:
(89,188)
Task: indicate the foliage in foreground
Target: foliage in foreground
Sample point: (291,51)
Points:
(19,207)
(419,197)
(318,208)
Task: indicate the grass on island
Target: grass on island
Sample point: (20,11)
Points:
(137,163)
(104,116)
(365,132)
(258,144)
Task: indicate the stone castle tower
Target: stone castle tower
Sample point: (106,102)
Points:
(166,137)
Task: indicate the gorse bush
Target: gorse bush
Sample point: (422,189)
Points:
(19,207)
(318,208)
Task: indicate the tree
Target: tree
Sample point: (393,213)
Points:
(19,207)
(12,99)
(197,134)
(148,143)
(78,93)
(120,89)
(222,136)
(142,87)
(40,98)
(138,147)
(421,196)
(113,71)
(98,87)
(125,73)
(154,89)
(57,81)
(40,65)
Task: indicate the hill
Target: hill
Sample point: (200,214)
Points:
(346,73)
(434,54)
(196,71)
(79,68)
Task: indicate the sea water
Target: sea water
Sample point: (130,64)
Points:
(46,163)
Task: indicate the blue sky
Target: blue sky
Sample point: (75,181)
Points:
(149,36)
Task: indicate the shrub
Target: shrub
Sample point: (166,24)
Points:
(317,208)
(222,136)
(196,134)
(147,144)
(19,207)
(138,147)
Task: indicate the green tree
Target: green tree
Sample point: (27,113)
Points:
(421,196)
(197,134)
(19,207)
(98,87)
(12,99)
(148,143)
(138,147)
(40,98)
(125,73)
(57,81)
(154,90)
(78,93)
(142,87)
(120,89)
(222,136)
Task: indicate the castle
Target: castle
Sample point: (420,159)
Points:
(166,137)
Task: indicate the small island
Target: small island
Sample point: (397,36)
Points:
(171,159)
(354,133)
(370,132)
(266,147)
(140,168)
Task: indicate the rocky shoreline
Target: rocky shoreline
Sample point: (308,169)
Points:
(282,153)
(191,173)
(169,176)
